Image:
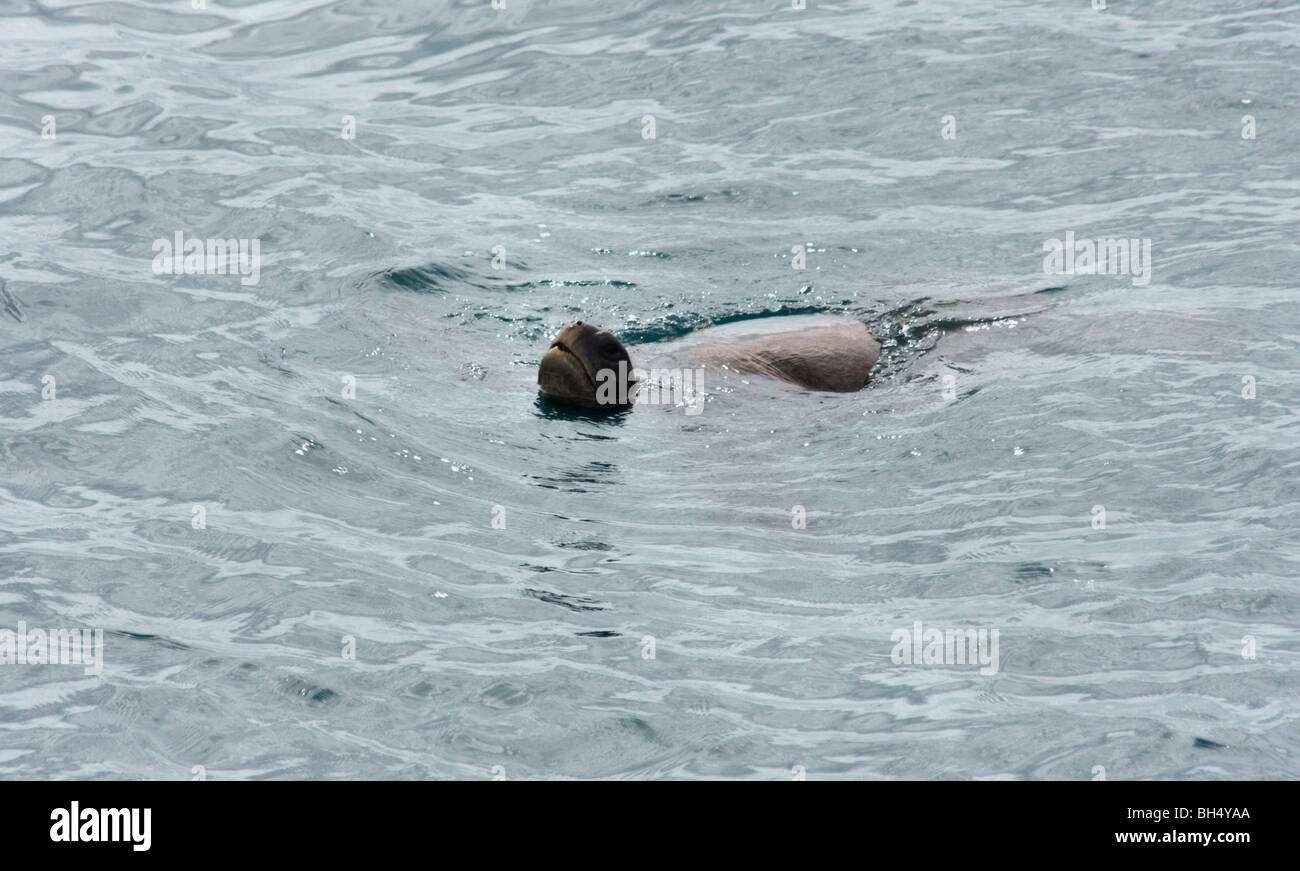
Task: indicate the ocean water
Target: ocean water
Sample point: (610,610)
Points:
(328,530)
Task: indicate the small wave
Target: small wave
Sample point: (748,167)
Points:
(676,326)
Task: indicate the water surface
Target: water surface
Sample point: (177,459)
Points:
(537,594)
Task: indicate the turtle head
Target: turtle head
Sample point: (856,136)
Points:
(588,367)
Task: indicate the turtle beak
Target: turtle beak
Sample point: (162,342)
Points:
(564,376)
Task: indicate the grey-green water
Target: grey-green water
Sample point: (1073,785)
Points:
(232,480)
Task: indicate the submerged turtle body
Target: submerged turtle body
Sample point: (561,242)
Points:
(589,367)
